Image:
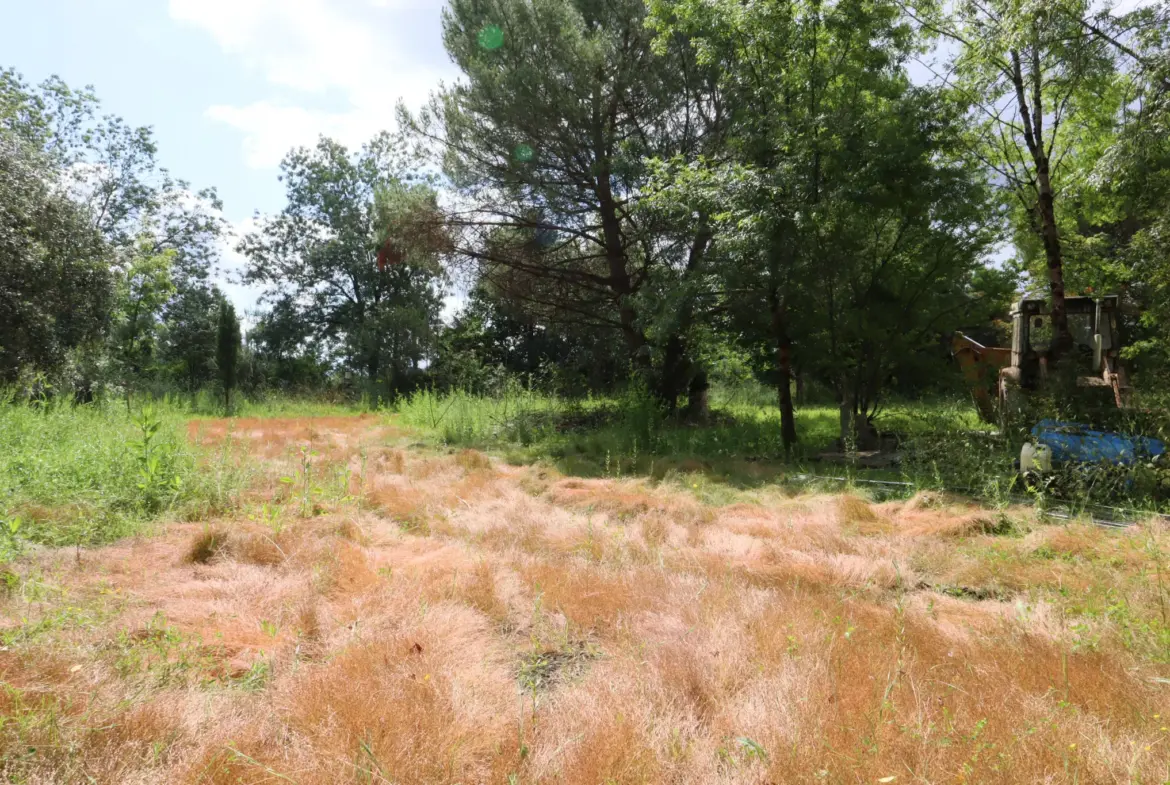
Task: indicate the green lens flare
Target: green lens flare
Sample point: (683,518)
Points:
(491,37)
(523,153)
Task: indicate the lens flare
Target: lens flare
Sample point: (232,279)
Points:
(491,37)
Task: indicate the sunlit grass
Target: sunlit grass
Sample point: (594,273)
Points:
(81,475)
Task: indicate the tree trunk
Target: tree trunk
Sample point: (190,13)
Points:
(678,369)
(698,399)
(1046,214)
(787,411)
(372,369)
(611,233)
(857,433)
(1032,120)
(784,370)
(673,375)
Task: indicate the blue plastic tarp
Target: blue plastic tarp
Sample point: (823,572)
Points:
(1071,442)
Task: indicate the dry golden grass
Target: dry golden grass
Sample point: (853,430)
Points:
(472,460)
(444,618)
(404,504)
(479,591)
(208,544)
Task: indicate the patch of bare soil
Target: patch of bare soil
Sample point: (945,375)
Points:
(402,617)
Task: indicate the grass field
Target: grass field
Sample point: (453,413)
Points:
(600,437)
(345,597)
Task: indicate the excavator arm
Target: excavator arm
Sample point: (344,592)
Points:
(981,366)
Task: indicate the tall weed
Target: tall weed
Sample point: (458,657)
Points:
(85,474)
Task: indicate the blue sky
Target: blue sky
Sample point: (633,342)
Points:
(230,85)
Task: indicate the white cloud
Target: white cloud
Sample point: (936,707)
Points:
(245,297)
(1125,6)
(368,53)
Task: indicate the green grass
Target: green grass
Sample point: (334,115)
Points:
(599,436)
(943,445)
(206,403)
(532,425)
(81,475)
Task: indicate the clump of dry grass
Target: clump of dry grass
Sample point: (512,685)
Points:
(390,461)
(247,544)
(388,704)
(473,461)
(952,524)
(857,516)
(853,509)
(408,707)
(407,506)
(349,529)
(655,529)
(479,591)
(622,499)
(259,547)
(206,545)
(308,622)
(592,598)
(349,570)
(612,749)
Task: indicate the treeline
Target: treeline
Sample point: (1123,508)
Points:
(812,193)
(105,259)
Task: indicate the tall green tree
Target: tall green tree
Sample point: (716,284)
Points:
(355,254)
(848,225)
(544,143)
(1116,189)
(55,282)
(227,349)
(186,350)
(106,171)
(289,352)
(143,285)
(1038,84)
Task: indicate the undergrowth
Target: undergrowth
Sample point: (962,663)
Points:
(83,475)
(941,444)
(626,428)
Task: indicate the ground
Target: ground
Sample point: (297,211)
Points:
(373,610)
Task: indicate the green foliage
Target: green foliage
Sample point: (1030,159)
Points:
(140,292)
(629,433)
(55,288)
(158,479)
(99,246)
(349,264)
(546,140)
(494,339)
(91,474)
(1118,180)
(227,350)
(1037,87)
(187,337)
(652,202)
(854,232)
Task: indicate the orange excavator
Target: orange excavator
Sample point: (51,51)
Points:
(981,366)
(998,376)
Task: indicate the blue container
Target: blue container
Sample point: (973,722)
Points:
(1074,443)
